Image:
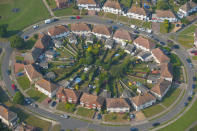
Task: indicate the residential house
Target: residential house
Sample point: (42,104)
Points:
(142,101)
(159,56)
(43,42)
(46,87)
(68,95)
(166,71)
(32,56)
(32,73)
(72,38)
(8,117)
(109,43)
(162,15)
(122,36)
(144,44)
(80,28)
(139,13)
(118,105)
(63,83)
(112,6)
(89,39)
(186,9)
(91,101)
(18,67)
(195,38)
(61,3)
(152,79)
(58,31)
(145,56)
(88,5)
(153,66)
(50,76)
(161,88)
(129,48)
(101,31)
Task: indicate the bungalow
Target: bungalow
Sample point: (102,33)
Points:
(88,5)
(68,95)
(142,101)
(130,48)
(137,13)
(32,56)
(159,56)
(161,88)
(166,71)
(109,43)
(144,44)
(112,6)
(58,31)
(91,101)
(101,31)
(117,105)
(122,36)
(32,74)
(8,117)
(46,87)
(80,28)
(186,9)
(72,38)
(195,38)
(162,15)
(61,3)
(43,41)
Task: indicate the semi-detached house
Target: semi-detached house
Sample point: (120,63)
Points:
(159,56)
(101,31)
(162,15)
(137,13)
(144,44)
(32,74)
(88,5)
(166,71)
(122,36)
(80,28)
(112,6)
(58,31)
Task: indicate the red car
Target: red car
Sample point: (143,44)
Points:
(78,17)
(13,87)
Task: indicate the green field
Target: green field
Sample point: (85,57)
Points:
(24,82)
(85,112)
(36,95)
(30,12)
(153,110)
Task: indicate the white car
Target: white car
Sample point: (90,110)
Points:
(36,26)
(142,29)
(133,26)
(64,116)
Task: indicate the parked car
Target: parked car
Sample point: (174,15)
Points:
(72,17)
(132,116)
(142,29)
(34,105)
(27,101)
(176,46)
(36,26)
(120,24)
(109,21)
(8,72)
(26,37)
(135,31)
(64,116)
(14,87)
(156,124)
(133,26)
(134,129)
(78,17)
(48,21)
(53,104)
(20,74)
(194,78)
(193,86)
(162,43)
(189,98)
(188,60)
(99,116)
(186,103)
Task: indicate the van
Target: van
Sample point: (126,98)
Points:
(48,21)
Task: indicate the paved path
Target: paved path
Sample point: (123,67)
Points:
(48,8)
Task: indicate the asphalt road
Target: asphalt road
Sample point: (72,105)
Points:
(75,123)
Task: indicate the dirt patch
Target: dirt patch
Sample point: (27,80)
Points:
(140,116)
(156,27)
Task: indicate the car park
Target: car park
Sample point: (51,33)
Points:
(64,116)
(156,124)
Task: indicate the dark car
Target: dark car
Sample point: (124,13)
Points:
(72,17)
(162,43)
(156,124)
(194,78)
(99,116)
(189,98)
(53,104)
(109,21)
(134,129)
(185,104)
(135,31)
(8,72)
(193,86)
(26,37)
(188,60)
(176,46)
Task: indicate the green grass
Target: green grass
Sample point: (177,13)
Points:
(62,107)
(146,25)
(115,117)
(85,112)
(185,121)
(194,57)
(136,22)
(193,128)
(123,19)
(153,110)
(110,16)
(51,3)
(24,82)
(56,128)
(36,95)
(3,97)
(186,41)
(171,96)
(66,12)
(31,11)
(20,58)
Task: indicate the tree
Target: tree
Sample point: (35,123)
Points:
(17,42)
(126,3)
(3,31)
(162,5)
(18,98)
(84,77)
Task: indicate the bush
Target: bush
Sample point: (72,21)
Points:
(18,98)
(17,42)
(70,107)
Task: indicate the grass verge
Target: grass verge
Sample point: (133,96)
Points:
(36,95)
(85,112)
(24,82)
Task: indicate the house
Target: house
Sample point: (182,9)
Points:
(142,89)
(89,39)
(72,38)
(43,42)
(186,9)
(143,44)
(58,31)
(50,76)
(32,56)
(195,38)
(166,71)
(161,88)
(112,6)
(142,101)
(58,43)
(32,74)
(118,105)
(91,101)
(8,117)
(68,95)
(109,43)
(80,28)
(139,13)
(61,3)
(145,56)
(159,56)
(129,48)
(152,79)
(46,87)
(122,36)
(162,15)
(101,31)
(18,67)
(50,54)
(88,5)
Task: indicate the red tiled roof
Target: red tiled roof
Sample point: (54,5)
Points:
(56,30)
(91,99)
(112,4)
(80,27)
(47,85)
(101,29)
(144,42)
(161,87)
(137,10)
(116,103)
(165,13)
(86,2)
(18,67)
(161,57)
(123,34)
(142,99)
(33,74)
(6,114)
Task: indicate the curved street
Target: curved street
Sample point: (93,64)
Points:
(76,123)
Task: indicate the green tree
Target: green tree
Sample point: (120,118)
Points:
(162,5)
(84,77)
(3,30)
(166,25)
(18,98)
(17,42)
(126,3)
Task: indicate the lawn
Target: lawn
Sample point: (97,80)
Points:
(29,13)
(62,107)
(85,112)
(123,19)
(36,95)
(163,30)
(19,58)
(185,121)
(24,82)
(136,22)
(146,25)
(171,96)
(193,128)
(110,16)
(115,117)
(194,57)
(4,98)
(66,11)
(56,128)
(51,3)
(153,110)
